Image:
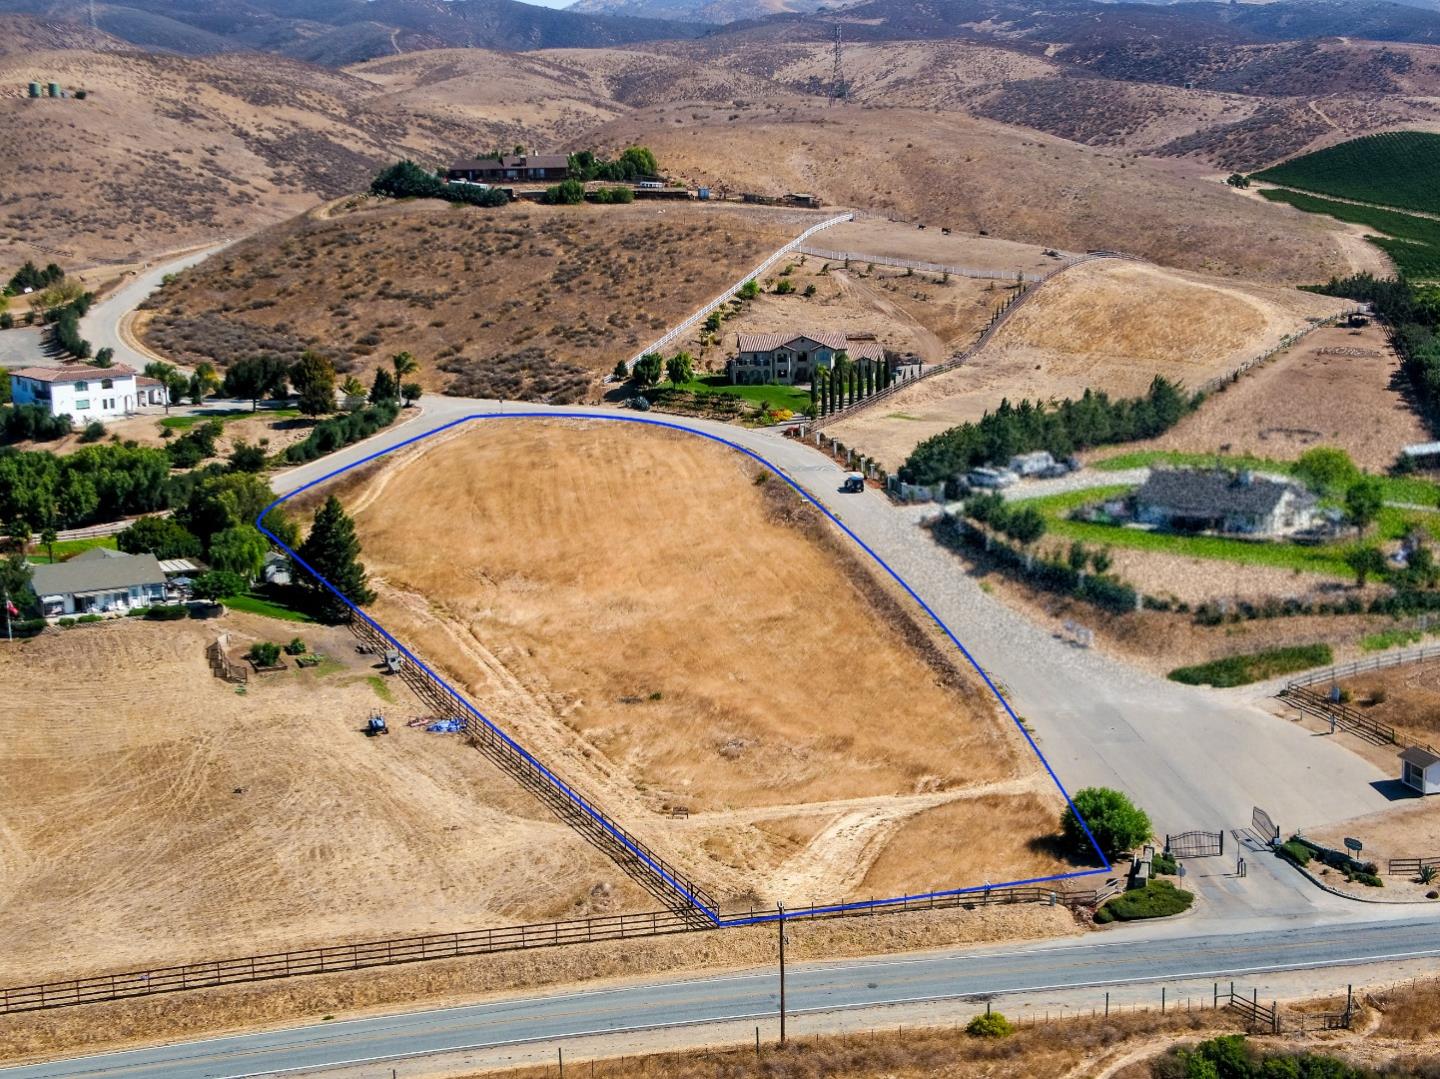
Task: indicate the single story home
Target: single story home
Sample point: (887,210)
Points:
(508,168)
(1420,770)
(792,358)
(1241,503)
(85,393)
(97,581)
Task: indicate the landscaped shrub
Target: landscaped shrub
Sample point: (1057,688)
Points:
(88,618)
(989,1025)
(1158,899)
(66,622)
(330,435)
(296,647)
(170,612)
(1116,823)
(1296,852)
(264,654)
(137,612)
(1255,667)
(1165,863)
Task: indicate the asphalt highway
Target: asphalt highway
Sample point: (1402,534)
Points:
(1117,959)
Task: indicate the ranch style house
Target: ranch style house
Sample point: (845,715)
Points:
(546,168)
(793,358)
(97,581)
(83,392)
(1241,503)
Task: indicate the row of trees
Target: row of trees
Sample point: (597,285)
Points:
(845,381)
(1073,425)
(634,163)
(572,193)
(647,370)
(407,180)
(1413,312)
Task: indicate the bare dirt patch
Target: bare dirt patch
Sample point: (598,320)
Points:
(124,842)
(1107,326)
(921,316)
(646,615)
(1406,697)
(1409,829)
(518,302)
(1338,387)
(903,240)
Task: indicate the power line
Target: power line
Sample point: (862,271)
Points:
(838,90)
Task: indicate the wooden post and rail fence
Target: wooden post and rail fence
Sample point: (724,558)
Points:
(476,942)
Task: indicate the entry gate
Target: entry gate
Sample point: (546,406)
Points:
(1263,828)
(1195,844)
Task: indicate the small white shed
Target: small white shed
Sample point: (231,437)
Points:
(1420,770)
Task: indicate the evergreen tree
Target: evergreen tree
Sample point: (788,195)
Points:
(383,388)
(332,551)
(314,379)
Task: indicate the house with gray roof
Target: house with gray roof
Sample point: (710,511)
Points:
(98,581)
(790,358)
(1217,500)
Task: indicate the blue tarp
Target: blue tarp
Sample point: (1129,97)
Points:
(447,726)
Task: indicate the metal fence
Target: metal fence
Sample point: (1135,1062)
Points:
(1360,666)
(1341,715)
(663,880)
(926,267)
(400,950)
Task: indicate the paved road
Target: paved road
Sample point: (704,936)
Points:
(1196,758)
(101,325)
(1121,957)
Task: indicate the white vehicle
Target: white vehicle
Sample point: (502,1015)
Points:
(650,185)
(992,478)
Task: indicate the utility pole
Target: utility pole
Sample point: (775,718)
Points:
(837,79)
(780,921)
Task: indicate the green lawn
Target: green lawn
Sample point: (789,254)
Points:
(381,689)
(794,398)
(1326,560)
(1410,489)
(228,415)
(267,606)
(68,548)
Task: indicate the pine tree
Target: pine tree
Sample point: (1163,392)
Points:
(383,388)
(332,551)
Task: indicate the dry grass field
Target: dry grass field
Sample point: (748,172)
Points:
(1406,697)
(152,815)
(1338,387)
(526,302)
(667,630)
(1106,325)
(920,316)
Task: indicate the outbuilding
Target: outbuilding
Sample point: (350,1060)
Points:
(1420,770)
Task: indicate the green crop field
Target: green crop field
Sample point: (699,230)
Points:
(1397,168)
(1413,243)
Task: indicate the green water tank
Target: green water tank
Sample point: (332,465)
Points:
(54,89)
(34,89)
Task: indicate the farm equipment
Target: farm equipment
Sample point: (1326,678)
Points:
(393,661)
(376,726)
(854,484)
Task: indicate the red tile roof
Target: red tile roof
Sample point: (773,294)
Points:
(72,373)
(769,342)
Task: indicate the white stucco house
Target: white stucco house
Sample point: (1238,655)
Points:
(85,393)
(98,581)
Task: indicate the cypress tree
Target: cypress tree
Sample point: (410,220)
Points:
(332,550)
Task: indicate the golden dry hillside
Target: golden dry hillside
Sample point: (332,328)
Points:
(948,169)
(1103,325)
(165,818)
(661,653)
(529,302)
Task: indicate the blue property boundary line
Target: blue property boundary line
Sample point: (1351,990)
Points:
(573,797)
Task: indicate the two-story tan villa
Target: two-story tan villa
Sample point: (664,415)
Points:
(793,358)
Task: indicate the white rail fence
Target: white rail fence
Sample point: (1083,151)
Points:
(927,267)
(1360,666)
(681,327)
